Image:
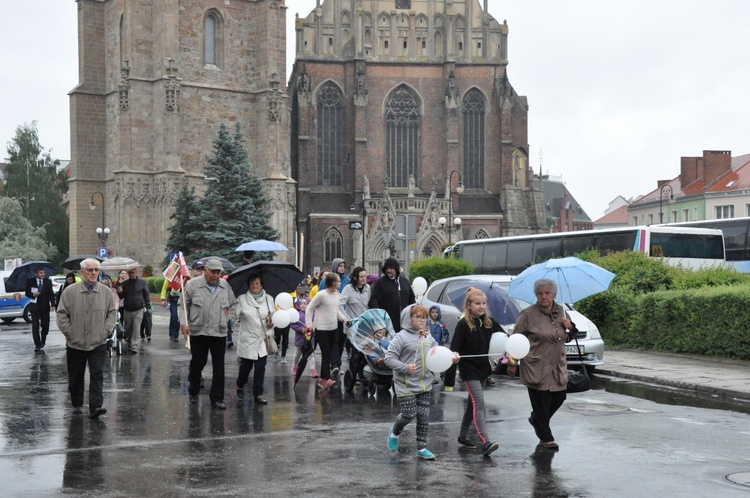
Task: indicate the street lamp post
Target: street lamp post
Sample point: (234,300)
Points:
(453,224)
(662,194)
(363,208)
(102,231)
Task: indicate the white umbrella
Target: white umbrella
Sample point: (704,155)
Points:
(118,263)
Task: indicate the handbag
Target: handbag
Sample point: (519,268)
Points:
(579,381)
(271,346)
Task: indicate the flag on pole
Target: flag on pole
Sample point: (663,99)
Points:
(177,268)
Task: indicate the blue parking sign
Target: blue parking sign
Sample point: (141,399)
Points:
(102,252)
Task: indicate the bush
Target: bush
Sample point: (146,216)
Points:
(435,268)
(154,285)
(148,271)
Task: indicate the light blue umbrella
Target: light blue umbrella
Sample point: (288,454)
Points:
(576,279)
(261,245)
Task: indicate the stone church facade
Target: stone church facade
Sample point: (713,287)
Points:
(157,78)
(393,103)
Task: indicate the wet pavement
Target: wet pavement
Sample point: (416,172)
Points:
(153,442)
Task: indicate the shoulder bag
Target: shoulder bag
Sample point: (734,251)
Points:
(579,381)
(271,346)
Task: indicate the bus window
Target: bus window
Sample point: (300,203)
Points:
(679,245)
(615,242)
(574,244)
(735,242)
(472,253)
(494,258)
(545,249)
(519,252)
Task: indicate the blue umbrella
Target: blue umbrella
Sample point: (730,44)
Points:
(21,273)
(501,308)
(261,245)
(576,279)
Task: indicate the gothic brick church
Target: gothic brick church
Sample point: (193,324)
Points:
(393,107)
(394,104)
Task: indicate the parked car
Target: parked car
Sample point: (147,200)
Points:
(589,339)
(13,304)
(57,282)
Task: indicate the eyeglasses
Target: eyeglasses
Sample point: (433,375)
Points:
(91,270)
(419,317)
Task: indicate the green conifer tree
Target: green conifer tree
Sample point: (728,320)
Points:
(234,208)
(185,211)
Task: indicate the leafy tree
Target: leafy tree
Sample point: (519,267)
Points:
(18,238)
(184,215)
(33,180)
(234,207)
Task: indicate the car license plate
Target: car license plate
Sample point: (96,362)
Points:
(573,350)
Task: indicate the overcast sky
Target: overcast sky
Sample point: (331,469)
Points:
(618,89)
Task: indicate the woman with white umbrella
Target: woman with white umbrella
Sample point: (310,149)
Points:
(544,370)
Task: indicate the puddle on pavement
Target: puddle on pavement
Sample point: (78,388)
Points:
(668,395)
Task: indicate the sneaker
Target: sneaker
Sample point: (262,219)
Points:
(314,374)
(335,371)
(331,383)
(230,345)
(425,454)
(464,441)
(489,448)
(283,360)
(322,385)
(448,389)
(490,381)
(392,441)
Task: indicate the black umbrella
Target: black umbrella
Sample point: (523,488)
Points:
(21,273)
(225,263)
(74,262)
(277,276)
(307,349)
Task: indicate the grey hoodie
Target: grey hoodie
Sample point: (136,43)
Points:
(410,346)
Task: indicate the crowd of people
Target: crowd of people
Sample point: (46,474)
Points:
(206,309)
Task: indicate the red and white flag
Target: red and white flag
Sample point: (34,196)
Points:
(177,268)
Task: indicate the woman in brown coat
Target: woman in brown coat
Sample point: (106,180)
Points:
(544,371)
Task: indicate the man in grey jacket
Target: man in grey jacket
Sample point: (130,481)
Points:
(209,300)
(86,315)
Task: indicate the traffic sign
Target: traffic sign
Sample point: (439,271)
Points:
(102,252)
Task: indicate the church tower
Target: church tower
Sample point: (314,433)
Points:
(397,106)
(157,78)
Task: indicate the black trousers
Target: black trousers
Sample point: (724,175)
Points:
(40,327)
(200,345)
(544,404)
(259,376)
(77,360)
(281,336)
(337,347)
(326,342)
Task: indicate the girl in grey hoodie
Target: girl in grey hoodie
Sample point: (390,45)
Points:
(411,378)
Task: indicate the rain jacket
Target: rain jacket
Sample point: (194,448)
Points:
(353,302)
(410,346)
(299,327)
(254,317)
(207,313)
(545,368)
(344,279)
(438,330)
(86,319)
(392,295)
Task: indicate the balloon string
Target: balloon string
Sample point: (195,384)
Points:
(480,355)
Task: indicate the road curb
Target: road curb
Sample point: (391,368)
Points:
(698,388)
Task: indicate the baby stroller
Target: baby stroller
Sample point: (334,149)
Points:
(370,334)
(114,341)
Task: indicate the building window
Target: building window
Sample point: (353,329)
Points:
(723,212)
(333,244)
(747,209)
(474,139)
(650,219)
(685,215)
(330,136)
(635,221)
(212,42)
(402,137)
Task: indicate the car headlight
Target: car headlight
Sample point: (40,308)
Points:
(594,331)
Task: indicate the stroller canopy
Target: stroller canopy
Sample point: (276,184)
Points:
(364,328)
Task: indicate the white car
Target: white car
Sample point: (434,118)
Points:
(589,339)
(57,282)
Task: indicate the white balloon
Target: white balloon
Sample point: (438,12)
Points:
(280,319)
(497,345)
(419,286)
(284,301)
(293,315)
(517,346)
(439,359)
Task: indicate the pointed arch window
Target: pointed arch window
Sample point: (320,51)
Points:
(473,111)
(402,137)
(213,39)
(330,136)
(333,244)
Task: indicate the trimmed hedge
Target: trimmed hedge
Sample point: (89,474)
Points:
(435,268)
(154,285)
